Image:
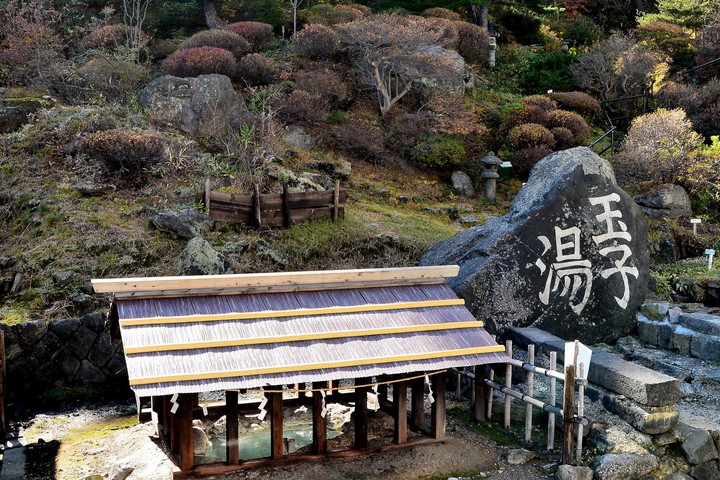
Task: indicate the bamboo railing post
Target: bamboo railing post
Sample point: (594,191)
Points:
(568,415)
(530,388)
(508,382)
(336,201)
(581,410)
(256,205)
(551,416)
(491,395)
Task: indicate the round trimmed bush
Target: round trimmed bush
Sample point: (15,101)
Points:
(256,70)
(564,138)
(199,61)
(437,151)
(577,101)
(539,101)
(107,37)
(316,41)
(530,135)
(570,120)
(524,160)
(473,42)
(124,150)
(115,79)
(327,84)
(440,12)
(257,33)
(215,37)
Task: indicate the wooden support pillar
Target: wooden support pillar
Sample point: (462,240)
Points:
(437,416)
(568,415)
(276,425)
(417,387)
(400,411)
(232,430)
(183,431)
(382,389)
(319,422)
(157,407)
(361,413)
(169,425)
(480,405)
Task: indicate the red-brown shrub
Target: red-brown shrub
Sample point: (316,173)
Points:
(107,37)
(539,101)
(700,102)
(124,150)
(216,37)
(257,33)
(708,49)
(530,135)
(473,42)
(164,47)
(329,85)
(440,12)
(360,140)
(256,70)
(199,61)
(524,160)
(316,41)
(570,120)
(579,102)
(301,107)
(529,114)
(564,138)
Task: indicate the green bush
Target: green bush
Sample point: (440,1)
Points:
(199,61)
(332,15)
(581,30)
(669,39)
(438,151)
(215,37)
(440,12)
(547,71)
(115,79)
(125,151)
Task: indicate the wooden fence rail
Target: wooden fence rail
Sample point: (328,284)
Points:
(273,210)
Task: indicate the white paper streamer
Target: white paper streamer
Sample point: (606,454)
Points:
(323,409)
(175,403)
(204,409)
(431,399)
(263,412)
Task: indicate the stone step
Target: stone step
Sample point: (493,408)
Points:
(13,465)
(689,336)
(700,322)
(636,382)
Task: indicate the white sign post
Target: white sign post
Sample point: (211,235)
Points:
(575,354)
(710,253)
(695,222)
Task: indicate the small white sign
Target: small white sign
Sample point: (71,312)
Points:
(506,164)
(695,220)
(576,356)
(710,253)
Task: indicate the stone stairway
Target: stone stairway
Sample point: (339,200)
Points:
(689,329)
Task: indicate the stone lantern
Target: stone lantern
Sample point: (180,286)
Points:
(490,173)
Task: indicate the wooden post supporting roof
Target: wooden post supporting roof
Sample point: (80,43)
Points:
(232,427)
(319,422)
(417,388)
(361,414)
(437,416)
(276,425)
(183,431)
(400,411)
(480,405)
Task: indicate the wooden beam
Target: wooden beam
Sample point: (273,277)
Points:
(232,427)
(437,416)
(433,327)
(315,366)
(276,424)
(400,411)
(319,422)
(360,416)
(184,431)
(417,388)
(270,279)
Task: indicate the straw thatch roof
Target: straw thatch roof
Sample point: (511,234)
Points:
(194,334)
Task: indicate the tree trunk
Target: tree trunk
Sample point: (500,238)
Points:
(472,14)
(212,19)
(639,6)
(484,15)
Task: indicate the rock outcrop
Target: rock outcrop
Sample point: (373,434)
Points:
(666,201)
(570,257)
(197,106)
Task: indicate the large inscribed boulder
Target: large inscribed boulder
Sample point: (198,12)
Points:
(570,257)
(197,106)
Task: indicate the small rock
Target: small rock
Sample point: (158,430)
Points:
(199,258)
(518,456)
(699,447)
(296,137)
(200,441)
(94,189)
(120,470)
(468,219)
(236,247)
(404,198)
(569,472)
(624,466)
(462,184)
(187,223)
(63,277)
(432,210)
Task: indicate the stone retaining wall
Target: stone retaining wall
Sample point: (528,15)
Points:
(62,353)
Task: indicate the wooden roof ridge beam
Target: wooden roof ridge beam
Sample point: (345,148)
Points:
(188,377)
(249,280)
(303,337)
(301,312)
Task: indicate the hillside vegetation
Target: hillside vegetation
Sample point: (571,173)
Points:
(391,97)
